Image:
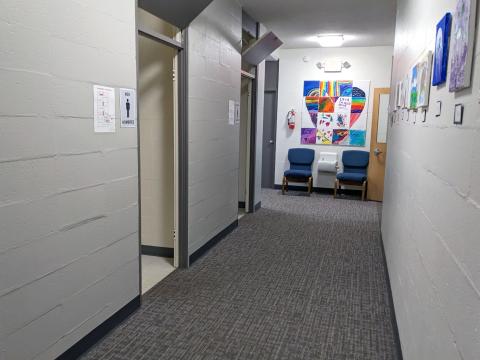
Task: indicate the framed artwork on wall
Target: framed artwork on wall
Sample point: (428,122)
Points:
(442,41)
(406,92)
(335,112)
(462,44)
(424,73)
(413,88)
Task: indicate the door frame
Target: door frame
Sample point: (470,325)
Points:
(271,91)
(249,166)
(377,93)
(181,259)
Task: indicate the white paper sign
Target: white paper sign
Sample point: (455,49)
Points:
(231,112)
(103,109)
(128,108)
(237,112)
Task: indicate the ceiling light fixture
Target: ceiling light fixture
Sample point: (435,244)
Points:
(331,40)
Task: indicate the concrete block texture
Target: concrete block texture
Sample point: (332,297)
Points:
(214,65)
(431,213)
(68,196)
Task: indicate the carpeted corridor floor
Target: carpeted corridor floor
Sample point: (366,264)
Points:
(303,278)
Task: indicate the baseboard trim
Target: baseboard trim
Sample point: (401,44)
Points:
(258,206)
(83,345)
(213,241)
(241,204)
(396,334)
(157,251)
(318,189)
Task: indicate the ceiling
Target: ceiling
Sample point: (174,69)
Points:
(296,22)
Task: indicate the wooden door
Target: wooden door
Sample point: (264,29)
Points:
(378,144)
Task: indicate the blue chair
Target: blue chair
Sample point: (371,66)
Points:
(301,161)
(355,164)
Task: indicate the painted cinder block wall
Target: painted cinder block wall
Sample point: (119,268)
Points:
(431,213)
(214,64)
(68,196)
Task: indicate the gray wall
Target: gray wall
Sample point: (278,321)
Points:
(214,77)
(68,196)
(431,216)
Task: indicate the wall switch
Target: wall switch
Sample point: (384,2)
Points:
(438,108)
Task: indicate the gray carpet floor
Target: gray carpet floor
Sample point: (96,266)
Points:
(303,278)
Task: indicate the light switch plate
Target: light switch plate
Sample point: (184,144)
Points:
(438,108)
(458,115)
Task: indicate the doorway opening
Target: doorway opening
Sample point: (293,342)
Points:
(158,122)
(244,173)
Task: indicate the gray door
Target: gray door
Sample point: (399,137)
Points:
(269,136)
(269,124)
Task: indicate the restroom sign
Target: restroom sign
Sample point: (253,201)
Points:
(128,108)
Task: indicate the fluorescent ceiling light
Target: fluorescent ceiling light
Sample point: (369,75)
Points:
(330,40)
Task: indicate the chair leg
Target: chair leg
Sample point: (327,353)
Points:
(364,188)
(283,186)
(335,189)
(286,185)
(310,185)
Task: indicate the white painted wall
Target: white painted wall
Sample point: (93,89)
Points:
(214,64)
(368,63)
(68,196)
(156,121)
(431,211)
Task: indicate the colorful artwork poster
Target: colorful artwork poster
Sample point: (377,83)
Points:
(413,88)
(442,40)
(462,44)
(327,104)
(309,136)
(333,110)
(424,73)
(357,137)
(340,137)
(311,88)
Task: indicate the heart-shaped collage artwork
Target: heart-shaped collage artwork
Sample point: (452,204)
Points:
(335,112)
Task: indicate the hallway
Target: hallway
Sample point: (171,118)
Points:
(303,278)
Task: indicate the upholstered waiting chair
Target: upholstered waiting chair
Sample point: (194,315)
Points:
(355,164)
(300,168)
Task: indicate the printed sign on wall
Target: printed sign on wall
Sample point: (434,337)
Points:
(103,109)
(128,108)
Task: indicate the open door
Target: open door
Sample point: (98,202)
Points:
(378,144)
(179,12)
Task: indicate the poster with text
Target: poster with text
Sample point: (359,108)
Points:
(103,109)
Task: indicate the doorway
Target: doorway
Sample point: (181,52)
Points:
(158,122)
(270,124)
(378,144)
(244,174)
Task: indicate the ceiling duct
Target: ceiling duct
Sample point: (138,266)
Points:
(178,12)
(262,48)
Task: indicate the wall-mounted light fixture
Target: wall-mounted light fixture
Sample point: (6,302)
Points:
(333,66)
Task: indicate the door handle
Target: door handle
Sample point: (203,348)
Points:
(377,151)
